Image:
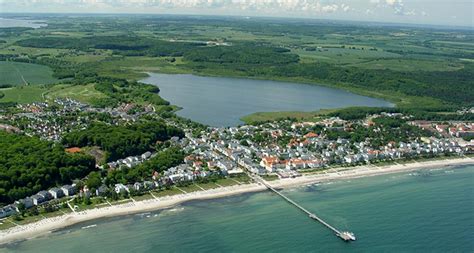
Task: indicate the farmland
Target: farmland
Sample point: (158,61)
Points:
(19,73)
(23,94)
(409,66)
(84,93)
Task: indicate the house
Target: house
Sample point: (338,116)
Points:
(27,202)
(270,163)
(311,136)
(146,155)
(7,211)
(68,190)
(56,193)
(176,177)
(257,169)
(138,186)
(101,191)
(120,188)
(37,199)
(148,185)
(235,171)
(46,195)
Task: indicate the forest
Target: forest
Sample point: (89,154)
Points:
(122,141)
(432,114)
(28,165)
(374,62)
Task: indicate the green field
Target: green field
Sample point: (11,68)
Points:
(409,65)
(37,93)
(272,116)
(23,94)
(18,73)
(84,93)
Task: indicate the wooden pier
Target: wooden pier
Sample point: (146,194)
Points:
(344,235)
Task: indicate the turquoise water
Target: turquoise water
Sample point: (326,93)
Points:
(429,211)
(220,101)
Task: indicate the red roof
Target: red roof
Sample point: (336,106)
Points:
(73,150)
(311,135)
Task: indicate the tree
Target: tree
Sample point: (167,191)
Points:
(93,180)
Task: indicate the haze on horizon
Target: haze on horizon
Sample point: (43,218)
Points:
(438,12)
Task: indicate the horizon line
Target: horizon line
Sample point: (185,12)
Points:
(425,25)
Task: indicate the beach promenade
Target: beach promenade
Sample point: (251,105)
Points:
(44,226)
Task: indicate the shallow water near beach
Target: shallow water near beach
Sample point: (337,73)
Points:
(422,211)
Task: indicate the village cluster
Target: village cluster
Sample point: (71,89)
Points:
(50,121)
(306,150)
(282,148)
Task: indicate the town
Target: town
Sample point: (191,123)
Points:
(280,149)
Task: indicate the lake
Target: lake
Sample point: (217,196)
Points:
(425,211)
(220,101)
(10,22)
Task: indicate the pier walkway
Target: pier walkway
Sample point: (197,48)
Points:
(344,235)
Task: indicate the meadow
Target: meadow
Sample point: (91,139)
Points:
(83,93)
(409,66)
(19,73)
(23,94)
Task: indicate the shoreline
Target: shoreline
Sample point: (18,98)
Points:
(45,226)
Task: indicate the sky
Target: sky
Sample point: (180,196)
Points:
(434,12)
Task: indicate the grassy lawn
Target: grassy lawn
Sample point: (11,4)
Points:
(243,178)
(120,202)
(23,94)
(270,177)
(190,188)
(409,65)
(272,116)
(208,186)
(57,213)
(226,182)
(170,192)
(84,93)
(6,224)
(145,196)
(19,73)
(135,67)
(342,55)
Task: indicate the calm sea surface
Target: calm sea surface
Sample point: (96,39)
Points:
(220,101)
(426,211)
(8,22)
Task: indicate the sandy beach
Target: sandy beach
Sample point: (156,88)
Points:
(44,226)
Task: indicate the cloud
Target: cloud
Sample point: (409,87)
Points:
(398,6)
(345,7)
(311,6)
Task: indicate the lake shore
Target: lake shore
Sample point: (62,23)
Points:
(47,225)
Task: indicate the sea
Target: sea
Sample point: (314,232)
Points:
(419,211)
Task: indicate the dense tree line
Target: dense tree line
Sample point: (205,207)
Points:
(455,87)
(28,165)
(122,141)
(165,159)
(120,90)
(432,114)
(124,45)
(242,54)
(259,60)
